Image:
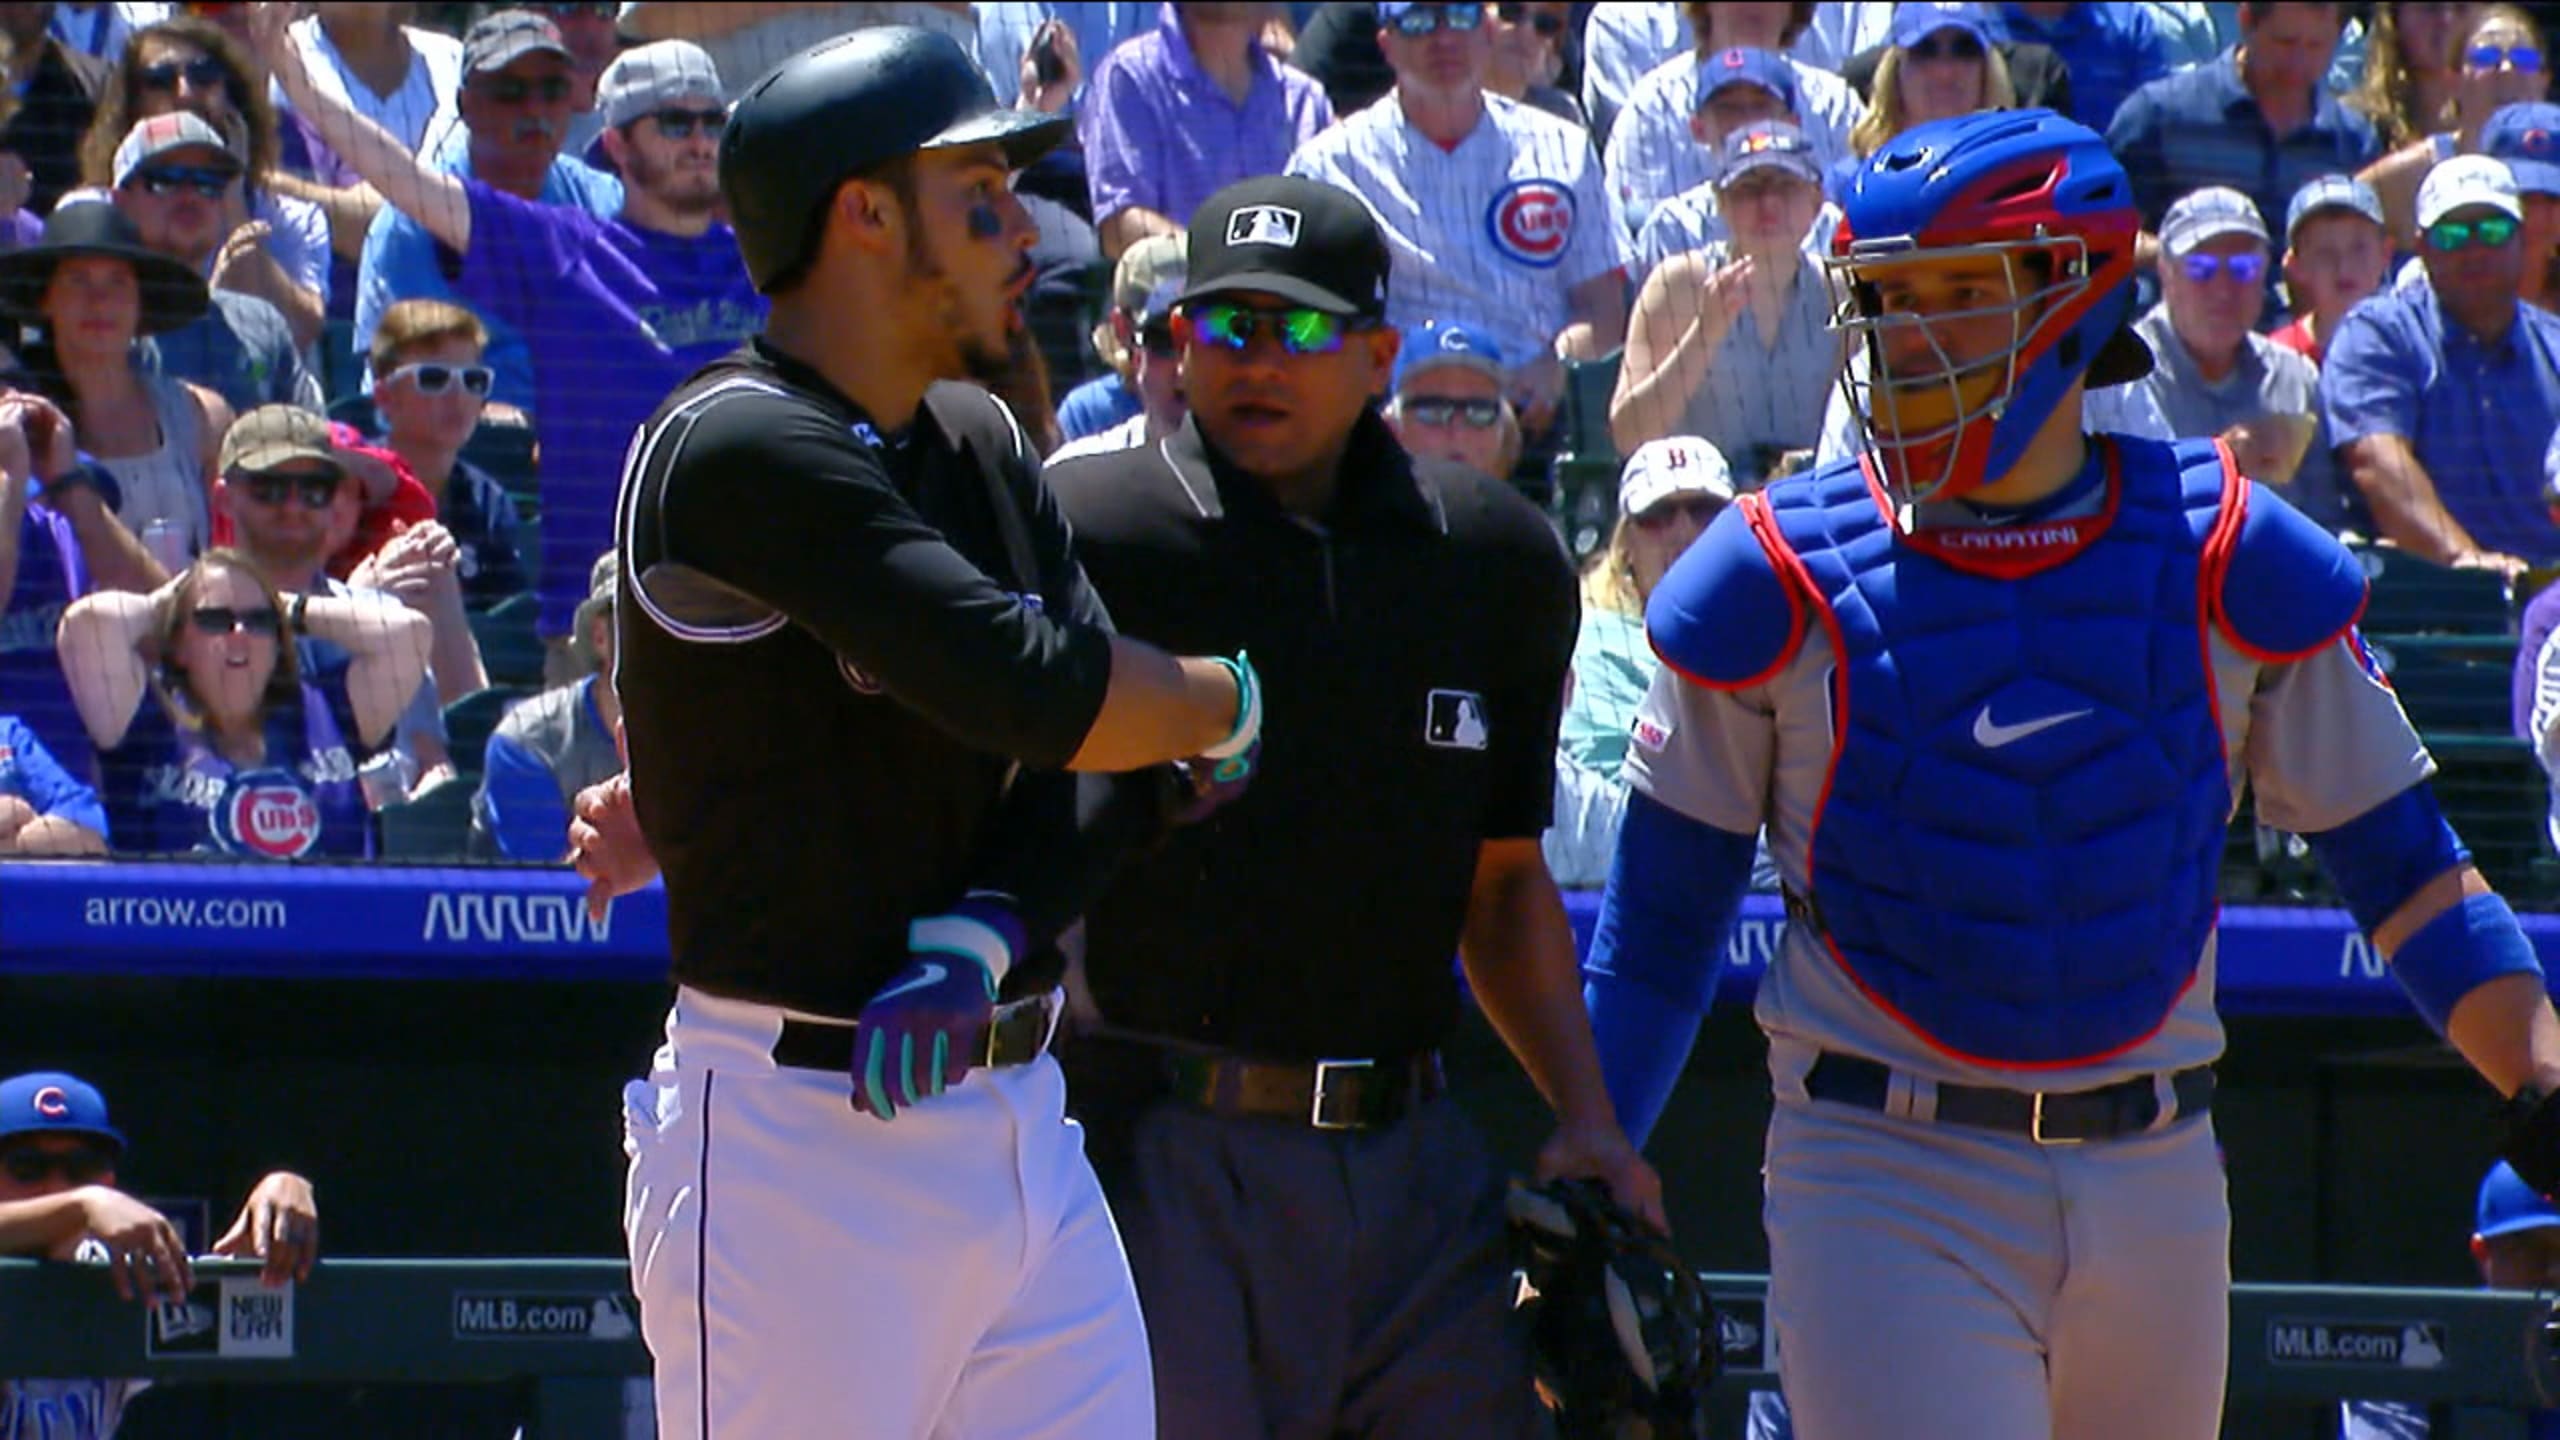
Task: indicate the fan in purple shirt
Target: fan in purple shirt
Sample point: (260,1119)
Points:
(617,310)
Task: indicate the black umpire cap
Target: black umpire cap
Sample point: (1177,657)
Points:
(1303,240)
(844,107)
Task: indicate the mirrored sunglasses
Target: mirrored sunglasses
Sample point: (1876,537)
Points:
(434,378)
(316,491)
(1438,412)
(1300,329)
(204,180)
(1424,20)
(2490,230)
(201,73)
(2526,59)
(2248,268)
(84,1166)
(221,620)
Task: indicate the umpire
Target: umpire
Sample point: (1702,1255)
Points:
(1317,1236)
(854,650)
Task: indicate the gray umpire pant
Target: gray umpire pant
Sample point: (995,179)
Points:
(1304,1284)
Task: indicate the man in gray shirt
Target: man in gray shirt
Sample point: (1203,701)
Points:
(2214,374)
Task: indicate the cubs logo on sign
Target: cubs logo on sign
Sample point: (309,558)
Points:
(268,814)
(1531,221)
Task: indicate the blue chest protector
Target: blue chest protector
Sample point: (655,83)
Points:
(2016,852)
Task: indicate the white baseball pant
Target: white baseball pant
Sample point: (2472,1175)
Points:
(807,1271)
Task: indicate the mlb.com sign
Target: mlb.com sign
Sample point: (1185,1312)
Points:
(505,917)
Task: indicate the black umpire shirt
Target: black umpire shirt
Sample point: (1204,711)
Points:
(827,659)
(1414,651)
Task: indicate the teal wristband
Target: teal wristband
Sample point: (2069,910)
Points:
(2460,950)
(1248,726)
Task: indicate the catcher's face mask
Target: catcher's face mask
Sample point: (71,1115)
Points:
(1626,1341)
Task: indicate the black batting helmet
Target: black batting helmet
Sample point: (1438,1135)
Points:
(843,107)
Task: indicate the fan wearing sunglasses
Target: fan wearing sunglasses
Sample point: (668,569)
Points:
(2214,374)
(2491,61)
(1448,402)
(1528,56)
(60,1155)
(2441,396)
(616,311)
(1136,340)
(211,738)
(255,240)
(431,384)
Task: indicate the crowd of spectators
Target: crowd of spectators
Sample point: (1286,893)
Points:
(330,323)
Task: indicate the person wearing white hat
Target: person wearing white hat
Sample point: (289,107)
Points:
(1667,493)
(2441,396)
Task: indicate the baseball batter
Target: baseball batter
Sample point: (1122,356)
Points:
(855,655)
(1994,688)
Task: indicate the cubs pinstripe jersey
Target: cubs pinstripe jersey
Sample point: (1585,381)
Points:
(1492,233)
(1653,155)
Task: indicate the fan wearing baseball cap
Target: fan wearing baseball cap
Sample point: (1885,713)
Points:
(2515,1240)
(2213,374)
(1420,614)
(59,1200)
(576,285)
(1668,492)
(2441,396)
(2337,250)
(1733,342)
(1448,402)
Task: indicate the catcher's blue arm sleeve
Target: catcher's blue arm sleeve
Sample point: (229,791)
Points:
(1658,950)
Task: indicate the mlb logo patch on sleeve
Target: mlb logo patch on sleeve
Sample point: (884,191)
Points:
(1454,720)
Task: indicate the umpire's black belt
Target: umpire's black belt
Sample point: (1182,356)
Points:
(1018,1035)
(2066,1117)
(1322,1094)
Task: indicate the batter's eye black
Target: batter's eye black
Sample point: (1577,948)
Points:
(984,222)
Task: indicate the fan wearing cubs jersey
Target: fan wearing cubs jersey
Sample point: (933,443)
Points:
(1994,687)
(1494,211)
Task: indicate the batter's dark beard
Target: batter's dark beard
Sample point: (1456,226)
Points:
(979,363)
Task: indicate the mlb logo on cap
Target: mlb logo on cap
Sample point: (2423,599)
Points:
(1264,225)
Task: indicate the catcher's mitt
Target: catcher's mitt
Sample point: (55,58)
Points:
(1626,1340)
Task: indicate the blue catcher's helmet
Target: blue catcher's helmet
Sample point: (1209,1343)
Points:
(2043,198)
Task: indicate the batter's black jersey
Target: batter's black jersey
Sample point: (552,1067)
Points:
(1414,650)
(829,664)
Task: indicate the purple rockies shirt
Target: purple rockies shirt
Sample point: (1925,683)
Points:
(51,574)
(1159,133)
(615,316)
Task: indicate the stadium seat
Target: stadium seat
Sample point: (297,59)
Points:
(2448,691)
(2416,596)
(2493,791)
(469,720)
(509,648)
(435,824)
